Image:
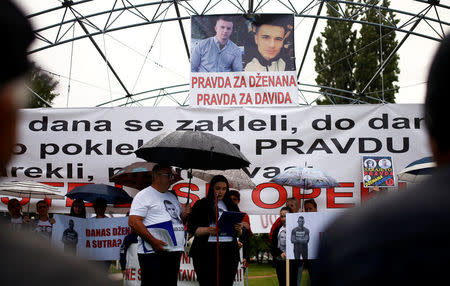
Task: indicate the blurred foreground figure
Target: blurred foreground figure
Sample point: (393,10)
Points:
(403,238)
(25,259)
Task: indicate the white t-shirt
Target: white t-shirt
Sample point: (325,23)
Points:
(16,223)
(44,228)
(161,213)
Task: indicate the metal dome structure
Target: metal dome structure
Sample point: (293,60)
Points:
(136,52)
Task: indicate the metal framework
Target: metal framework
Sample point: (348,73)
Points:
(86,20)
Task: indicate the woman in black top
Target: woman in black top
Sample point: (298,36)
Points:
(201,224)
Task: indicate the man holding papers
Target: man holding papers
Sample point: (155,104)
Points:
(202,224)
(160,241)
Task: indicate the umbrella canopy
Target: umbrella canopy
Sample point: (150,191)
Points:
(192,149)
(418,170)
(90,192)
(305,178)
(237,178)
(28,189)
(138,175)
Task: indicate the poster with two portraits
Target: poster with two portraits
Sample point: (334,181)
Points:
(243,60)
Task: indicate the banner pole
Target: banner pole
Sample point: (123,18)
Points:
(287,272)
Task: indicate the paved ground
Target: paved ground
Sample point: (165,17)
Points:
(115,276)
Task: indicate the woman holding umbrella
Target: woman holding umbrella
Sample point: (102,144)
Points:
(202,225)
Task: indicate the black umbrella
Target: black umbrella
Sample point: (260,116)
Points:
(192,150)
(90,192)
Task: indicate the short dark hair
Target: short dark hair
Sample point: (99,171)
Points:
(100,203)
(310,201)
(224,18)
(157,168)
(18,35)
(438,96)
(167,202)
(286,209)
(236,194)
(10,201)
(41,202)
(273,20)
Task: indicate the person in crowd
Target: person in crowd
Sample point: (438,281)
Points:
(78,208)
(247,233)
(401,238)
(129,240)
(70,238)
(44,224)
(26,261)
(294,205)
(217,53)
(278,251)
(159,256)
(100,205)
(100,208)
(269,39)
(202,225)
(310,205)
(17,221)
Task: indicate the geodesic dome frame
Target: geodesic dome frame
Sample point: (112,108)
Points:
(91,22)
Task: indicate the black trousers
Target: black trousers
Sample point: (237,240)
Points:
(159,268)
(205,265)
(280,266)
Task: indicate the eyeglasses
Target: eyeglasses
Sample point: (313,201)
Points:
(170,176)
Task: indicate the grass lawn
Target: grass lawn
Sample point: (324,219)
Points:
(262,270)
(265,270)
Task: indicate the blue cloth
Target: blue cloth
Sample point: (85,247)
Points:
(208,57)
(127,241)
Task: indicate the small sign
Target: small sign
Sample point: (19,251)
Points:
(378,171)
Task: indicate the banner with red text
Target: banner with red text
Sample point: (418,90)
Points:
(67,148)
(243,60)
(93,239)
(186,274)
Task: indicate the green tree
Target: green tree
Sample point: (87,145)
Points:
(43,84)
(259,246)
(335,62)
(349,60)
(373,47)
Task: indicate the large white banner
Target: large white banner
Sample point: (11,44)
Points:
(70,147)
(186,274)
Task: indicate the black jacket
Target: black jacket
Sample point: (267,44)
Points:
(202,216)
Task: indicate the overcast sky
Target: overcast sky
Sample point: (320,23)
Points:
(86,81)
